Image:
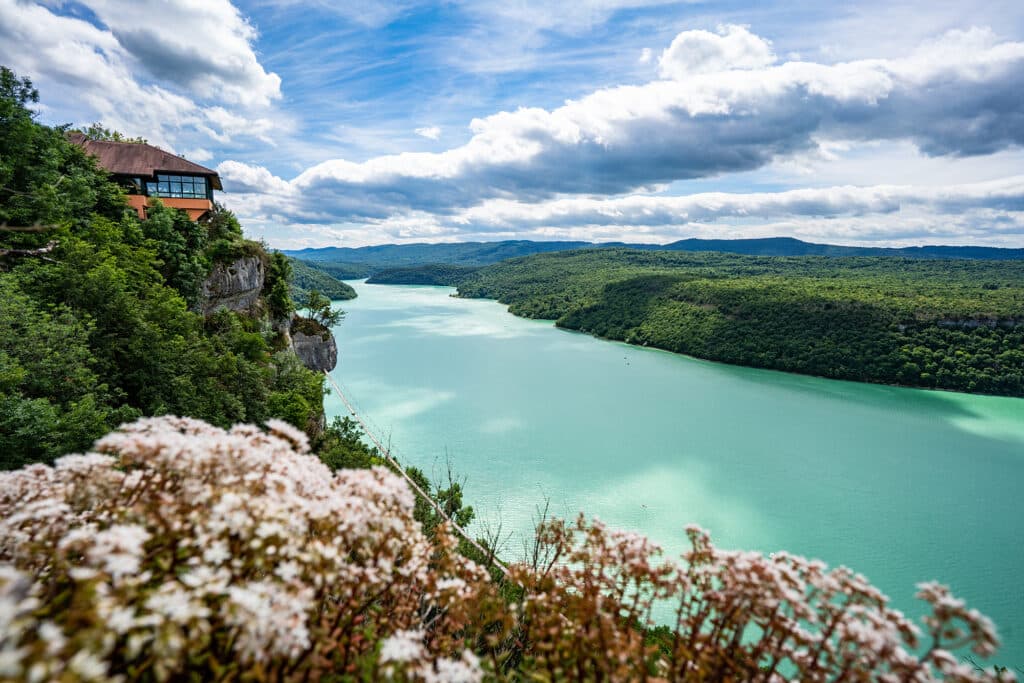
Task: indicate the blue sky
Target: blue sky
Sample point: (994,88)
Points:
(879,123)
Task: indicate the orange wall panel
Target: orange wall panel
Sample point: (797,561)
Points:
(193,207)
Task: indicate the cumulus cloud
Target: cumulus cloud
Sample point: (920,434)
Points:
(956,96)
(145,67)
(701,52)
(989,212)
(431,132)
(198,155)
(203,46)
(644,210)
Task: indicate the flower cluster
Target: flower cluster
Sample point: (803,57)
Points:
(178,548)
(739,616)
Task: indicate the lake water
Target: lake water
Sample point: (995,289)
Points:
(899,484)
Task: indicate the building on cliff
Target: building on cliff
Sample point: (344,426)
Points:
(146,171)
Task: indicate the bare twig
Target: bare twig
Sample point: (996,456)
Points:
(24,253)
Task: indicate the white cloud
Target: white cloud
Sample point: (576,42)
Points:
(701,52)
(635,210)
(645,55)
(956,96)
(205,46)
(199,155)
(985,213)
(198,58)
(431,132)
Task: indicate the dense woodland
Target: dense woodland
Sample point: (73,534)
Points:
(947,324)
(307,278)
(430,274)
(390,262)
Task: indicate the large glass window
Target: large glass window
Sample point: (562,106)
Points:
(184,186)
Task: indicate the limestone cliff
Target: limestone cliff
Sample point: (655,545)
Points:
(314,344)
(235,285)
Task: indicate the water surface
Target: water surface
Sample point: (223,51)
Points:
(902,485)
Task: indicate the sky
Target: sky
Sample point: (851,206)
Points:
(883,123)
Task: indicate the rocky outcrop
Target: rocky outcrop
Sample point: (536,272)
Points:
(235,286)
(314,344)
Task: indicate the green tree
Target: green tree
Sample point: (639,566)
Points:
(43,179)
(97,131)
(319,308)
(275,287)
(180,245)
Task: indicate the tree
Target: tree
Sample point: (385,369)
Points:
(44,179)
(180,243)
(276,289)
(319,308)
(98,131)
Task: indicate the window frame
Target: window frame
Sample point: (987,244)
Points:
(177,186)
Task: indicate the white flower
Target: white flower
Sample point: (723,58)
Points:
(288,570)
(464,670)
(217,553)
(403,646)
(87,665)
(287,431)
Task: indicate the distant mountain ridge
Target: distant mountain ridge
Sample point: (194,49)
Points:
(363,261)
(790,246)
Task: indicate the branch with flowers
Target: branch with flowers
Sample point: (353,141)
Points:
(176,548)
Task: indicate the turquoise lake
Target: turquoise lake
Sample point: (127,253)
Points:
(901,485)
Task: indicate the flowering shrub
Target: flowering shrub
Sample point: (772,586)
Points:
(739,616)
(178,549)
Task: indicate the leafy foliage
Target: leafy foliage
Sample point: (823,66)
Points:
(224,236)
(319,309)
(181,248)
(446,275)
(307,276)
(103,330)
(97,131)
(949,324)
(275,287)
(44,180)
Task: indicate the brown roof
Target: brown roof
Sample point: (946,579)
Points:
(140,159)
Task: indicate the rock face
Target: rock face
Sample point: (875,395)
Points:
(314,345)
(235,286)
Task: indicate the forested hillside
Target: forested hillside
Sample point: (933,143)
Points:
(949,324)
(99,322)
(383,260)
(306,278)
(432,274)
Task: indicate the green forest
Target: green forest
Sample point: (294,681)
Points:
(306,277)
(431,274)
(945,324)
(99,322)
